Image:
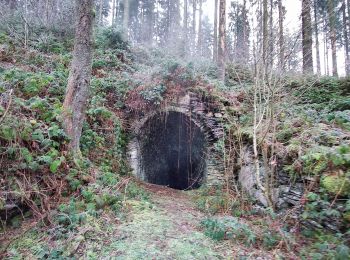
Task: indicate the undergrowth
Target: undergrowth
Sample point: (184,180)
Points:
(73,198)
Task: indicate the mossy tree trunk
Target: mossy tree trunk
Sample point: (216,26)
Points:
(74,106)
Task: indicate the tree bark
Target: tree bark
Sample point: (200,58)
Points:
(126,17)
(307,37)
(185,28)
(271,40)
(265,32)
(281,35)
(47,13)
(333,36)
(318,57)
(26,30)
(199,46)
(215,46)
(346,40)
(75,103)
(150,21)
(194,24)
(113,12)
(348,4)
(325,43)
(100,11)
(222,39)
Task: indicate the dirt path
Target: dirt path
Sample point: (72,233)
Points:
(168,228)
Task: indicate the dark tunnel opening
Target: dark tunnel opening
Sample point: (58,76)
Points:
(172,149)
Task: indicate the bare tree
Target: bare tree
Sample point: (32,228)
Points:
(222,39)
(75,102)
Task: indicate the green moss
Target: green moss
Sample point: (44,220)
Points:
(346,216)
(336,184)
(285,134)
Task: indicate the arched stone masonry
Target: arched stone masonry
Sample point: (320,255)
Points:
(182,158)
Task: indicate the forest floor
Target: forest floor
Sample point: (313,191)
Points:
(167,225)
(169,228)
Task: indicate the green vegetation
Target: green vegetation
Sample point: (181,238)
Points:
(84,200)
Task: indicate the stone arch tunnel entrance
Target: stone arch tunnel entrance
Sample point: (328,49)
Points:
(170,150)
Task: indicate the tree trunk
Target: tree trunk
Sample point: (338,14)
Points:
(185,30)
(281,34)
(346,40)
(265,32)
(318,58)
(245,46)
(150,24)
(348,4)
(194,7)
(222,39)
(307,37)
(74,106)
(117,10)
(12,4)
(168,22)
(325,43)
(113,12)
(271,40)
(215,46)
(100,12)
(126,17)
(199,46)
(47,13)
(333,36)
(26,30)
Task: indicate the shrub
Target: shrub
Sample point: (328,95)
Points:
(211,199)
(228,228)
(111,38)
